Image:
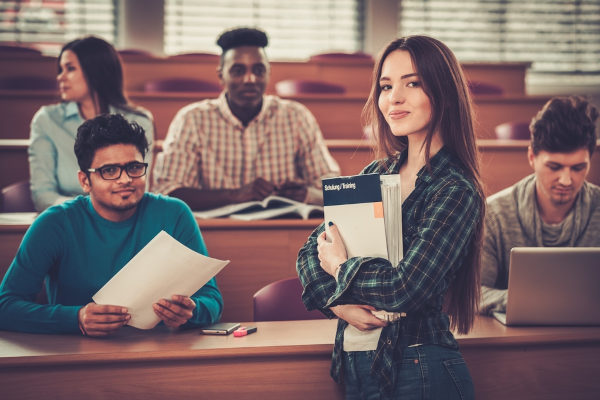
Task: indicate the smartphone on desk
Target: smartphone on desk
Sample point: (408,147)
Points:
(220,328)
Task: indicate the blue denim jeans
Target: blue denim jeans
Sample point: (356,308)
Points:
(425,372)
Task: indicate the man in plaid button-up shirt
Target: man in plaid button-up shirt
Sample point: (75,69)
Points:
(244,145)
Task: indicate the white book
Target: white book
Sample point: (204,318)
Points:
(269,207)
(367,211)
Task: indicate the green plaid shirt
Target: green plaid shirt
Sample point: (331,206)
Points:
(438,219)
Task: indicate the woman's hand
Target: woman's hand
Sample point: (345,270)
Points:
(359,316)
(332,251)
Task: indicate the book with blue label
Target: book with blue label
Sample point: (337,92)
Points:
(367,211)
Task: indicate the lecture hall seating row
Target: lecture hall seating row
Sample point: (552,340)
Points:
(354,74)
(503,162)
(265,251)
(339,116)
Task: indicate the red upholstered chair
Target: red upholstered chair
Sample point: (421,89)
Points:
(28,83)
(484,88)
(342,56)
(135,53)
(291,87)
(282,301)
(195,56)
(517,130)
(181,85)
(17,198)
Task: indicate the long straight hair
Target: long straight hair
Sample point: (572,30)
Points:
(452,116)
(102,70)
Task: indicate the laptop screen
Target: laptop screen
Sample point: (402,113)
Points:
(554,286)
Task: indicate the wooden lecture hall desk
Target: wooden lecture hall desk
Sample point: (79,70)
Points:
(260,252)
(503,162)
(338,115)
(354,75)
(282,360)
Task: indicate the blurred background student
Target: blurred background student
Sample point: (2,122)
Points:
(90,80)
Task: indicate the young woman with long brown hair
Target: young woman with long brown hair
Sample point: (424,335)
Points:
(420,111)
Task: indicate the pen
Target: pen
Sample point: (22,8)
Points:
(243,331)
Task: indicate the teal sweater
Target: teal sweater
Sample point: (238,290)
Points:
(77,251)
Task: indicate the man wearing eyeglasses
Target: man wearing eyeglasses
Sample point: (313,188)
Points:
(78,246)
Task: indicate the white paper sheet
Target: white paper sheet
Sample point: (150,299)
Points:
(164,267)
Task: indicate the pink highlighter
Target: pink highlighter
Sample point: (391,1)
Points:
(243,331)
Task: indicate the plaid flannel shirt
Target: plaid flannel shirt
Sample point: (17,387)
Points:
(438,219)
(207,147)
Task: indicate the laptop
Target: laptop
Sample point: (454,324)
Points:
(553,286)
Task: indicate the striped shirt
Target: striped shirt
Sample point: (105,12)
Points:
(438,219)
(207,147)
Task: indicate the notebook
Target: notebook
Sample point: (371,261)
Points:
(553,286)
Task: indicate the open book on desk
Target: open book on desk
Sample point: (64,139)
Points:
(269,207)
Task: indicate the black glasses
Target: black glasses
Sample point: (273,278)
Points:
(111,172)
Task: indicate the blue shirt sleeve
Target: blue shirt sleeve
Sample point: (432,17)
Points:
(40,249)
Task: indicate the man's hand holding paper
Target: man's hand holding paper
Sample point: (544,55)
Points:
(156,284)
(102,320)
(175,312)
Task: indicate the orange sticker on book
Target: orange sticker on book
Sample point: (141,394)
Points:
(378,209)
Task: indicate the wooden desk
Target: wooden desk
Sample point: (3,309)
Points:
(260,252)
(530,363)
(355,75)
(510,76)
(14,162)
(351,155)
(503,162)
(10,239)
(281,360)
(338,115)
(265,251)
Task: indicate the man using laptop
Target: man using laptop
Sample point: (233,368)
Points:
(553,207)
(78,246)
